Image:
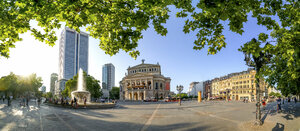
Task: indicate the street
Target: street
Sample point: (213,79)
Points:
(153,116)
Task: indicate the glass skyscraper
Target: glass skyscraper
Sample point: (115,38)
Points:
(108,76)
(73,54)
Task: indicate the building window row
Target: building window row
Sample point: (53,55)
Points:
(143,70)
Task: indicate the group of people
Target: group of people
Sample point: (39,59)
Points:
(9,99)
(24,101)
(281,101)
(65,101)
(245,100)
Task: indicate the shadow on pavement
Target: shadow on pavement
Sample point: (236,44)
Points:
(278,127)
(18,117)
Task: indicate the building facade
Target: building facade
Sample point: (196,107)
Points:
(73,55)
(143,82)
(207,93)
(238,86)
(53,78)
(195,87)
(108,76)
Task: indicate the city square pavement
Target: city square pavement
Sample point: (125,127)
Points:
(152,116)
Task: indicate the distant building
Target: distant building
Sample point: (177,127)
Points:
(43,89)
(207,89)
(108,76)
(144,81)
(54,77)
(73,55)
(194,88)
(238,86)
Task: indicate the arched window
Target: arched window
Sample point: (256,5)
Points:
(156,85)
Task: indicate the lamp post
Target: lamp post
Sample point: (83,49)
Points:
(179,89)
(257,60)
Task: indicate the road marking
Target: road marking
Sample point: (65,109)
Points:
(215,116)
(65,123)
(148,123)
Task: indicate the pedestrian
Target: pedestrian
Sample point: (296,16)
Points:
(39,101)
(27,101)
(278,104)
(75,102)
(67,101)
(264,104)
(295,99)
(8,101)
(23,102)
(84,102)
(62,101)
(3,98)
(72,102)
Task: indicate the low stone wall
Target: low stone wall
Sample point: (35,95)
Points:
(88,106)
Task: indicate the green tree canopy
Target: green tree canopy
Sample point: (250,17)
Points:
(114,93)
(48,95)
(19,85)
(119,25)
(280,17)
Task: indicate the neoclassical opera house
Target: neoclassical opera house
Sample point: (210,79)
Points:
(144,82)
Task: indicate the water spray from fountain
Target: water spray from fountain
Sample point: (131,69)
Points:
(81,91)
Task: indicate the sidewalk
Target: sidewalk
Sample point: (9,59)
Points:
(288,119)
(17,117)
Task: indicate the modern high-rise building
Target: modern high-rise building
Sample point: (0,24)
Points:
(43,89)
(73,55)
(54,77)
(108,76)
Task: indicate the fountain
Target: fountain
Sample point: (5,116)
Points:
(81,92)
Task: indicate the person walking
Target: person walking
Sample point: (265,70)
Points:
(278,104)
(27,101)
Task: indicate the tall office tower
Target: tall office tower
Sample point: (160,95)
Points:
(108,76)
(73,55)
(43,89)
(54,77)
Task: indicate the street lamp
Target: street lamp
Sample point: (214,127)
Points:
(257,60)
(179,89)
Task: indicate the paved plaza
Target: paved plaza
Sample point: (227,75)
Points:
(153,116)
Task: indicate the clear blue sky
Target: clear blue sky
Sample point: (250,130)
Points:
(174,53)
